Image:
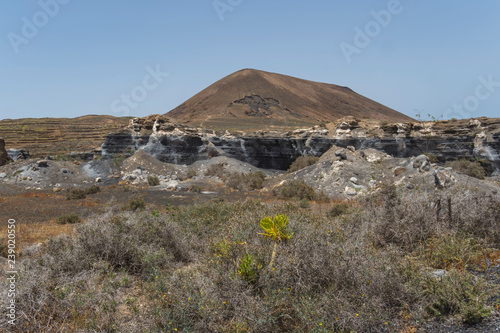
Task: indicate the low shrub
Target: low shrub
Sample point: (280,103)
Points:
(299,190)
(245,181)
(153,180)
(302,162)
(195,189)
(92,189)
(71,218)
(216,170)
(457,293)
(338,210)
(135,203)
(76,194)
(191,173)
(467,167)
(304,203)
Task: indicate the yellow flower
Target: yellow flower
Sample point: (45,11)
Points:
(357,314)
(320,324)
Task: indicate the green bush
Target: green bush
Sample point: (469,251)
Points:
(245,181)
(153,181)
(470,168)
(304,203)
(71,218)
(92,189)
(135,203)
(299,190)
(302,162)
(338,210)
(248,269)
(457,293)
(76,194)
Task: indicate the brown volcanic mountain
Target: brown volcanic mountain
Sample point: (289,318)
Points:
(252,99)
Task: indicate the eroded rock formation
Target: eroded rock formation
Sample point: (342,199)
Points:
(446,140)
(3,153)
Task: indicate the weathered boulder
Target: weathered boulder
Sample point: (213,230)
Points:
(421,163)
(443,179)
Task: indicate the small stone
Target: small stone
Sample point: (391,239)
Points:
(399,170)
(354,180)
(64,170)
(43,164)
(351,148)
(439,273)
(3,175)
(129,177)
(98,180)
(56,189)
(341,154)
(350,191)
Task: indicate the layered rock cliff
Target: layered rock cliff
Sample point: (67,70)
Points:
(3,153)
(444,140)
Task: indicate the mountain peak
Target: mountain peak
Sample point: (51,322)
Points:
(254,99)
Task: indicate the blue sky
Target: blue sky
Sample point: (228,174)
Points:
(67,58)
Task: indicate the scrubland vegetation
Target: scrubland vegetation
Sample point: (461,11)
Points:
(236,180)
(389,262)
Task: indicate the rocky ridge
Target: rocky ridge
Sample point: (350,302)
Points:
(442,141)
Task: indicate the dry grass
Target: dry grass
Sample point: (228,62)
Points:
(33,233)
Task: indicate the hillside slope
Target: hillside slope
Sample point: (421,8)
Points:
(252,99)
